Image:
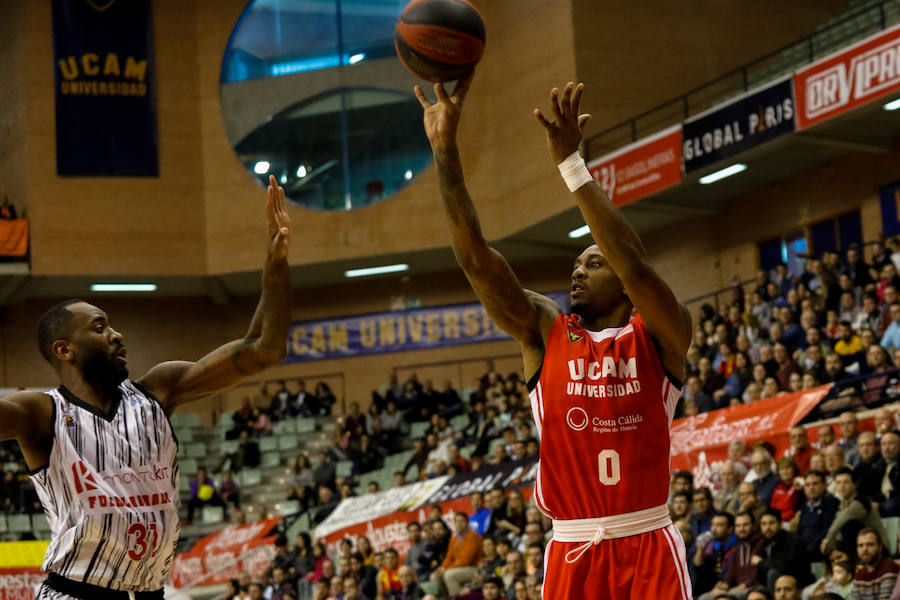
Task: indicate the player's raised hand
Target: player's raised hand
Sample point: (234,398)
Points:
(279,221)
(442,117)
(564,130)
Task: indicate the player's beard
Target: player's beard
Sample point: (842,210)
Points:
(101,369)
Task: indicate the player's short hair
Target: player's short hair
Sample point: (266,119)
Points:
(53,325)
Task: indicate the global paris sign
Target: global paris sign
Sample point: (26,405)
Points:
(848,79)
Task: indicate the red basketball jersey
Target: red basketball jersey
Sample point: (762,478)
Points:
(603,405)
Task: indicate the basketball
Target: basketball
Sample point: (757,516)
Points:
(440,40)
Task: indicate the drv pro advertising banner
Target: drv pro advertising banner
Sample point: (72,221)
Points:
(105,88)
(752,119)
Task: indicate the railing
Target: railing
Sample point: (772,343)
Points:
(769,67)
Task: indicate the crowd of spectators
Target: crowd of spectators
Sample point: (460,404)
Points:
(495,551)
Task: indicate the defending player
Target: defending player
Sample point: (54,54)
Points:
(604,380)
(101,449)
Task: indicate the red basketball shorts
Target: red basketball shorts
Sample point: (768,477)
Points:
(647,566)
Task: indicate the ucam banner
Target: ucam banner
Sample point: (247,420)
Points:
(699,443)
(396,331)
(226,554)
(849,78)
(749,120)
(640,169)
(105,88)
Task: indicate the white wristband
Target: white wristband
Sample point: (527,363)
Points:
(574,172)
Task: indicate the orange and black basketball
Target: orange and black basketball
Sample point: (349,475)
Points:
(440,40)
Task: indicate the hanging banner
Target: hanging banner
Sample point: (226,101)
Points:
(640,169)
(226,554)
(847,79)
(700,442)
(890,208)
(105,88)
(746,122)
(396,331)
(20,583)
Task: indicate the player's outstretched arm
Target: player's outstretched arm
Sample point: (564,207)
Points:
(518,312)
(667,319)
(15,421)
(265,343)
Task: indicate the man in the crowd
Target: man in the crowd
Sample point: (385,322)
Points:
(864,473)
(825,435)
(703,512)
(459,565)
(876,574)
(514,569)
(884,421)
(765,478)
(834,368)
(855,513)
(780,552)
(365,574)
(748,501)
(352,590)
(534,534)
(891,339)
(388,580)
(680,507)
(480,520)
(416,545)
(886,476)
(726,495)
(800,449)
(492,588)
(410,589)
(834,460)
(712,559)
(849,435)
(740,573)
(786,588)
(817,514)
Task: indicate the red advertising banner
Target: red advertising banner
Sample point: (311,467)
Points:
(699,443)
(20,583)
(226,554)
(640,169)
(847,79)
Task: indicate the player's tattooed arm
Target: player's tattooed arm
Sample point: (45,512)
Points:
(264,344)
(667,319)
(514,310)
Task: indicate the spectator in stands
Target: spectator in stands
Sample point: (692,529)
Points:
(891,338)
(870,315)
(449,402)
(324,398)
(302,554)
(304,474)
(203,493)
(389,576)
(834,368)
(680,506)
(534,534)
(884,421)
(848,343)
(323,474)
(762,475)
(280,584)
(694,392)
(786,588)
(419,459)
(321,560)
(849,433)
(703,511)
(834,460)
(229,491)
(416,547)
(710,379)
(786,366)
(800,449)
(326,505)
(514,569)
(480,520)
(410,589)
(876,574)
(262,424)
(366,456)
(855,513)
(352,589)
(885,477)
(354,420)
(7,210)
(739,572)
(463,554)
(302,403)
(391,419)
(435,548)
(779,552)
(817,514)
(492,589)
(787,497)
(399,479)
(510,519)
(366,575)
(247,453)
(711,559)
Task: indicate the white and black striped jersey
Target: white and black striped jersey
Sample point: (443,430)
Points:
(110,491)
